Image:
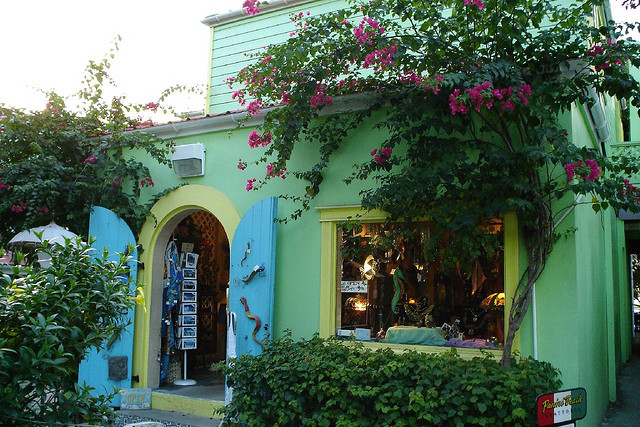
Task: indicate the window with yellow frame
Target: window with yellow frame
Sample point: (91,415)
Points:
(385,290)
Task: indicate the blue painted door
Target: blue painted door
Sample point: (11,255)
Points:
(111,232)
(251,277)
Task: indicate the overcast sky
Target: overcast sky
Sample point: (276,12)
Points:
(46,44)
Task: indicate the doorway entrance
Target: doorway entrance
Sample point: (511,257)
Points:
(192,324)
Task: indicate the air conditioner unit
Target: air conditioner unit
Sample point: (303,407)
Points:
(188,160)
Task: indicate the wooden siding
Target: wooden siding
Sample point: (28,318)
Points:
(231,41)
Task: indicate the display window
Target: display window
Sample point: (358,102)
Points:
(390,289)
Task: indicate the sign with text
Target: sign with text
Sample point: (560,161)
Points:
(135,398)
(561,407)
(353,286)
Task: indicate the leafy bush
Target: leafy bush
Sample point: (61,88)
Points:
(49,319)
(322,382)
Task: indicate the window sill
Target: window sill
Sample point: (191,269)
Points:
(464,353)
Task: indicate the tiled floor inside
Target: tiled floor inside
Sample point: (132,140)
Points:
(209,386)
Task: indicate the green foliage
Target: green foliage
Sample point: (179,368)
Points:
(57,163)
(324,383)
(468,99)
(49,319)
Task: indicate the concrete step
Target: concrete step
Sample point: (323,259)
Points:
(165,418)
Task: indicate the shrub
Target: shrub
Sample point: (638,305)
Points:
(49,319)
(323,382)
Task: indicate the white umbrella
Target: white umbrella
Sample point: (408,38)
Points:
(52,232)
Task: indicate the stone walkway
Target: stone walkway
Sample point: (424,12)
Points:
(166,418)
(626,411)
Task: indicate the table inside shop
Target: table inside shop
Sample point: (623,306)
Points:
(414,335)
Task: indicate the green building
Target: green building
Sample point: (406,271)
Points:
(581,317)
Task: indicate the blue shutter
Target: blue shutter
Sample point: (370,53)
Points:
(252,275)
(111,232)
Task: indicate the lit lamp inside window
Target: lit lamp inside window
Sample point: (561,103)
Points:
(357,303)
(368,270)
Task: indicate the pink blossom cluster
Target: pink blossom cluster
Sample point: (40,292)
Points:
(4,186)
(628,187)
(608,59)
(18,208)
(382,154)
(478,3)
(254,108)
(249,185)
(116,182)
(251,7)
(151,106)
(147,182)
(483,96)
(320,98)
(91,159)
(367,29)
(53,109)
(286,98)
(272,173)
(593,170)
(240,95)
(242,165)
(43,210)
(381,59)
(257,140)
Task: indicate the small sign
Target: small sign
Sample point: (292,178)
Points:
(187,247)
(353,286)
(561,407)
(135,398)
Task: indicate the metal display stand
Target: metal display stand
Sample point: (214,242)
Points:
(185,380)
(187,325)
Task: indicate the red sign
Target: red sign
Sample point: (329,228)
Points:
(561,407)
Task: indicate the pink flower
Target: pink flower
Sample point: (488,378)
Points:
(478,3)
(91,159)
(151,106)
(254,108)
(251,7)
(286,98)
(43,210)
(364,33)
(241,165)
(595,50)
(569,169)
(147,182)
(319,98)
(116,182)
(383,154)
(257,140)
(249,185)
(18,208)
(594,170)
(266,59)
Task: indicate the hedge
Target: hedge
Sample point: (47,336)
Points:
(321,382)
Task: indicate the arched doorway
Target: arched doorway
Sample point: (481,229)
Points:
(216,215)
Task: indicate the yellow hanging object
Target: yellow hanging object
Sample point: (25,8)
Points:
(139,299)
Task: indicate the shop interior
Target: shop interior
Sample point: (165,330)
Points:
(389,291)
(196,277)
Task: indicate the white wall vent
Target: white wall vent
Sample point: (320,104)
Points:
(188,160)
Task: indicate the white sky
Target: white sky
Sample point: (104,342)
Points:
(46,44)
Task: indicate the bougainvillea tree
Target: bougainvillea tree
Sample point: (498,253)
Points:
(469,97)
(57,163)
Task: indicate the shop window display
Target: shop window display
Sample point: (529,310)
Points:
(390,291)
